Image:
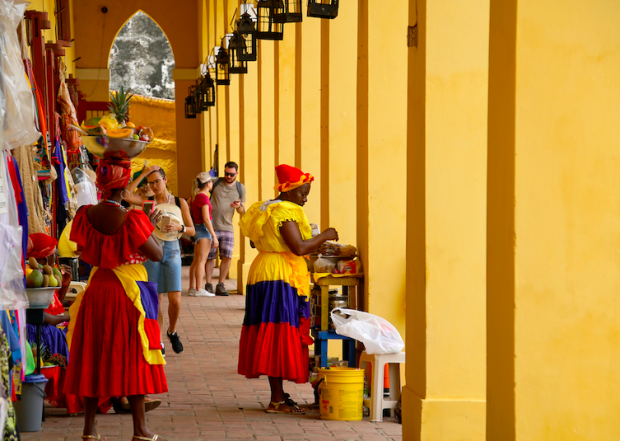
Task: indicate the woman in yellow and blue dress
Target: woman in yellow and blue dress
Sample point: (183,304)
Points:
(275,334)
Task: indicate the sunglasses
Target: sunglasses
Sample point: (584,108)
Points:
(230,175)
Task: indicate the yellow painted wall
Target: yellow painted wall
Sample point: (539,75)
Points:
(162,150)
(564,221)
(446,235)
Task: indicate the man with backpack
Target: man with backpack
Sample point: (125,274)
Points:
(227,197)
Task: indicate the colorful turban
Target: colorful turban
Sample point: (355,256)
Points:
(113,173)
(42,245)
(290,178)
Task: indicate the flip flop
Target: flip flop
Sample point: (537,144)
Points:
(294,409)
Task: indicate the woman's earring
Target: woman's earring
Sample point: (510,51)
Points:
(124,191)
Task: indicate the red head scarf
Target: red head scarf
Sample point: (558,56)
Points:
(113,173)
(42,245)
(290,178)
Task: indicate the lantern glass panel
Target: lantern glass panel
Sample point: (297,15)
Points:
(236,66)
(222,77)
(190,109)
(266,27)
(208,87)
(246,42)
(323,8)
(290,13)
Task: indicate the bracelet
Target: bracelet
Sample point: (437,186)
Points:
(183,228)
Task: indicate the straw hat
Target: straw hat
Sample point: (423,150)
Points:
(175,217)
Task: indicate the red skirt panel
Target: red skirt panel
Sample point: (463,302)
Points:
(275,350)
(106,358)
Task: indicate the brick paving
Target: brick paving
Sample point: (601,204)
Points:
(208,400)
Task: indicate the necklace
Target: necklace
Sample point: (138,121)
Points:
(111,202)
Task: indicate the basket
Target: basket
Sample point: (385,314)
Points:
(40,298)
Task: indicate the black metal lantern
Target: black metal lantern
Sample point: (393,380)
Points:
(222,59)
(246,31)
(206,92)
(323,8)
(190,107)
(289,13)
(235,65)
(266,27)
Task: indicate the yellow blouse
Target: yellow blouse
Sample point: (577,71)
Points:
(262,222)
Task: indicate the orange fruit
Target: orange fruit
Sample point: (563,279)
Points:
(130,124)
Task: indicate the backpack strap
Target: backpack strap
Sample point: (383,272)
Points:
(215,184)
(177,201)
(239,189)
(219,180)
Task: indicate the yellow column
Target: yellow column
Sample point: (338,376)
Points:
(381,155)
(266,84)
(445,394)
(285,83)
(342,122)
(308,104)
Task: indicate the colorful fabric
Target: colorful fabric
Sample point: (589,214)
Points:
(113,352)
(226,241)
(198,202)
(43,245)
(54,347)
(113,173)
(66,248)
(120,249)
(69,116)
(289,178)
(274,337)
(55,307)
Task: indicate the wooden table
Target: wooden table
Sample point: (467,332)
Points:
(349,288)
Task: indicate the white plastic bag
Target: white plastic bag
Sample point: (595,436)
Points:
(378,335)
(17,107)
(322,265)
(85,188)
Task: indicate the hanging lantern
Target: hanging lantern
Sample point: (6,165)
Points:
(266,27)
(323,8)
(206,92)
(190,108)
(221,67)
(289,13)
(235,65)
(246,31)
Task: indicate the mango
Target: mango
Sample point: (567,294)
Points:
(47,270)
(34,279)
(57,272)
(46,280)
(33,263)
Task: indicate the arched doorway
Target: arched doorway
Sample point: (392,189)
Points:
(141,60)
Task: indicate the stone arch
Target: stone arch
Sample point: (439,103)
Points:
(141,58)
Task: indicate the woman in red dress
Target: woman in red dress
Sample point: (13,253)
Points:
(115,348)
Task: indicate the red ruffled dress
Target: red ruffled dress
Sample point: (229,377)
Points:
(106,357)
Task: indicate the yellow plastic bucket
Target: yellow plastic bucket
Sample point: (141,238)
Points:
(342,393)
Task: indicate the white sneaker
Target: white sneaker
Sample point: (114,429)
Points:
(191,292)
(204,293)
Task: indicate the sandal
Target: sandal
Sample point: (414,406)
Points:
(155,438)
(294,408)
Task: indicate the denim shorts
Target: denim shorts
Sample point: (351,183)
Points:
(201,233)
(167,273)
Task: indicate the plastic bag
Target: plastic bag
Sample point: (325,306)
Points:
(84,187)
(322,265)
(378,335)
(17,108)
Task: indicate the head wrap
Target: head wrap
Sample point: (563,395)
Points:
(290,178)
(113,173)
(42,245)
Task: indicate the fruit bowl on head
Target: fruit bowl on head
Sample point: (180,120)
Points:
(122,147)
(40,298)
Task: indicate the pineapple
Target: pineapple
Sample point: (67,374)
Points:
(120,105)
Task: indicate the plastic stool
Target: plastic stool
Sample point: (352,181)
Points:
(377,403)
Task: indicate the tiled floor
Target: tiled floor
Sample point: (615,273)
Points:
(208,400)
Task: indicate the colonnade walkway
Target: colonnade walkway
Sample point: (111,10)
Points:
(208,400)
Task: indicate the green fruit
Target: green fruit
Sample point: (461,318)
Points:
(136,137)
(34,279)
(93,121)
(57,272)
